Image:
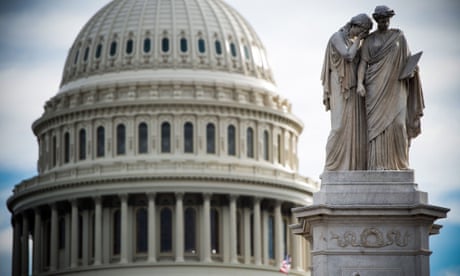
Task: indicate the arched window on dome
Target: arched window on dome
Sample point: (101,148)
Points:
(215,232)
(233,49)
(86,54)
(218,47)
(66,147)
(76,56)
(165,45)
(142,138)
(113,49)
(98,53)
(183,45)
(210,138)
(116,233)
(141,230)
(266,145)
(129,46)
(147,45)
(201,46)
(165,137)
(100,141)
(54,151)
(121,139)
(250,142)
(231,140)
(190,233)
(246,52)
(82,144)
(166,230)
(188,137)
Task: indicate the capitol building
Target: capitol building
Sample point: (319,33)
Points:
(167,150)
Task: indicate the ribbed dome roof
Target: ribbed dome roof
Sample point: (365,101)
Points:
(133,35)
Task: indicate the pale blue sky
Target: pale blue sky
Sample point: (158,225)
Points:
(35,37)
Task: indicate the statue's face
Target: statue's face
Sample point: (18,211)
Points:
(357,30)
(383,23)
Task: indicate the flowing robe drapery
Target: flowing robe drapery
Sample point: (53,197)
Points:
(346,144)
(393,106)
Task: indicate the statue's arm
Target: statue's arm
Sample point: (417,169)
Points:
(347,53)
(361,90)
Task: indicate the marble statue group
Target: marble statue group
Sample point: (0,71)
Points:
(372,89)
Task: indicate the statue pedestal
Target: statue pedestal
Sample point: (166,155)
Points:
(369,223)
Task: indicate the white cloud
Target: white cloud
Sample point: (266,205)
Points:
(50,27)
(24,92)
(454,271)
(6,237)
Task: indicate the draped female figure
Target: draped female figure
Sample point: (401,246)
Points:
(393,105)
(346,144)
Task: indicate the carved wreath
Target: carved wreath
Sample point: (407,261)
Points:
(371,238)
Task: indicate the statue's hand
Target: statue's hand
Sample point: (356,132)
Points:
(327,103)
(361,90)
(363,35)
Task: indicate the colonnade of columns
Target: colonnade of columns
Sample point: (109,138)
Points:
(80,232)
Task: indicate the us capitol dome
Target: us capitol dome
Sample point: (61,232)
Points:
(166,151)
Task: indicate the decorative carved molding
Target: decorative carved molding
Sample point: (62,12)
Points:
(371,238)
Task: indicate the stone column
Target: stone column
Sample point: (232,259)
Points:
(16,269)
(54,238)
(233,230)
(265,256)
(85,234)
(97,230)
(206,233)
(124,228)
(151,228)
(37,242)
(179,228)
(25,245)
(247,235)
(67,218)
(257,232)
(296,254)
(279,241)
(74,234)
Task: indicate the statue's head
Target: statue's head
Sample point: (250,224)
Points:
(382,11)
(362,20)
(361,23)
(382,15)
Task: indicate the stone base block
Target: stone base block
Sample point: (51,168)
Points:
(369,223)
